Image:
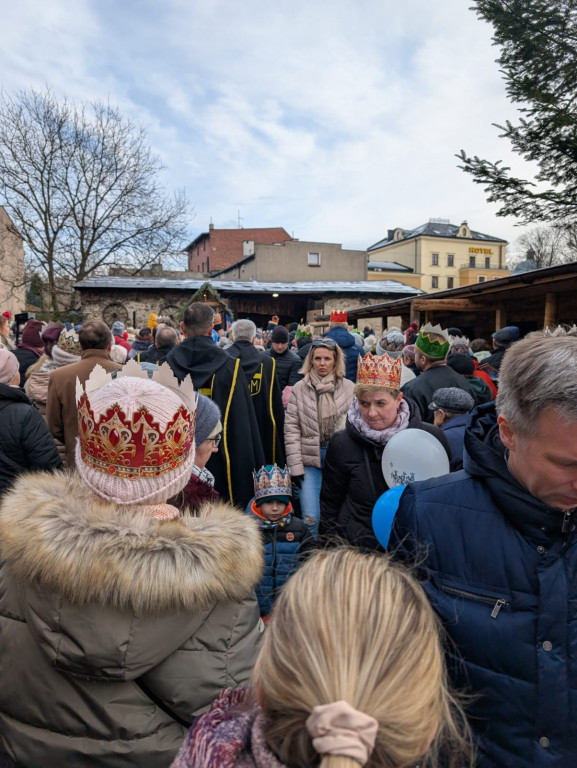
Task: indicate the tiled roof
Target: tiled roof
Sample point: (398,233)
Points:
(434,229)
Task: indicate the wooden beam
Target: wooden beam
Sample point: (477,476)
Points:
(449,305)
(551,303)
(500,318)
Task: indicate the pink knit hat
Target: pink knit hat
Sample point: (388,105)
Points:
(8,366)
(136,435)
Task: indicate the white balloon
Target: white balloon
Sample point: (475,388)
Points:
(411,455)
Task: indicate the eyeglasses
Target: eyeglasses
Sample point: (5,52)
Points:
(324,343)
(216,439)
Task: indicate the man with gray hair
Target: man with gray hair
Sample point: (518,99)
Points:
(496,548)
(264,389)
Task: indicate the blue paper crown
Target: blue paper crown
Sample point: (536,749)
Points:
(271,481)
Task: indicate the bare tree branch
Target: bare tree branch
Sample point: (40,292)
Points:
(82,188)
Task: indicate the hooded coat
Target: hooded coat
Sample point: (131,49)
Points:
(215,374)
(353,481)
(117,629)
(499,568)
(266,397)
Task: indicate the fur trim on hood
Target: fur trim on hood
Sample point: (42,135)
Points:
(55,532)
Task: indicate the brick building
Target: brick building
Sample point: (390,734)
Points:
(217,249)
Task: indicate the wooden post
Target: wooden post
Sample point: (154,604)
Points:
(500,317)
(551,303)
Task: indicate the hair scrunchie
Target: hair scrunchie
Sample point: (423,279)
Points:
(339,729)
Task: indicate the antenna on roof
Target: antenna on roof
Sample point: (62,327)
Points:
(240,218)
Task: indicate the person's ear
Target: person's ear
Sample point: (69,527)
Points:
(506,433)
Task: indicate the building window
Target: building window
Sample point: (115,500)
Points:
(481,278)
(450,259)
(314,260)
(435,259)
(435,282)
(450,282)
(472,261)
(487,262)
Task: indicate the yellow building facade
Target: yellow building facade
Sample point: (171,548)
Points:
(439,255)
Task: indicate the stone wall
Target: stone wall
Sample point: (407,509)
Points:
(132,307)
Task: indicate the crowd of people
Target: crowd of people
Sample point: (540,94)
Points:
(189,572)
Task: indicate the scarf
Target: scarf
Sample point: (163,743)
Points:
(204,475)
(62,357)
(37,352)
(229,735)
(327,411)
(379,436)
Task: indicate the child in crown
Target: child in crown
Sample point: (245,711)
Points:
(285,537)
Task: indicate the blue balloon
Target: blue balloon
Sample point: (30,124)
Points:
(384,513)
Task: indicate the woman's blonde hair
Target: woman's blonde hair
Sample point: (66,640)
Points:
(339,369)
(358,627)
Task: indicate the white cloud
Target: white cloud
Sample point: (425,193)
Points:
(336,121)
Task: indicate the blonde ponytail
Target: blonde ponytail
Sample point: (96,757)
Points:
(359,628)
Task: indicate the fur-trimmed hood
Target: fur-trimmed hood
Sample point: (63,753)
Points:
(56,534)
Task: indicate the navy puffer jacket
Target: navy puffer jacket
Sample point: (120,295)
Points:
(284,547)
(500,569)
(351,350)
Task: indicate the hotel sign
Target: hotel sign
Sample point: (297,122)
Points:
(486,251)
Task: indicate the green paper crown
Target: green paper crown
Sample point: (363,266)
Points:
(302,333)
(433,347)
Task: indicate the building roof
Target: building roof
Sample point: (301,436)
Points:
(389,266)
(433,228)
(249,286)
(561,273)
(266,235)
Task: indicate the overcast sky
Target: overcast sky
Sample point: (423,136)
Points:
(336,120)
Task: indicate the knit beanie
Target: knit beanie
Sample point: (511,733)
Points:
(131,394)
(117,328)
(463,364)
(207,418)
(51,333)
(409,351)
(280,335)
(9,366)
(31,334)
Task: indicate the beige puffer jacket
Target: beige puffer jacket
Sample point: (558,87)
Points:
(301,425)
(117,629)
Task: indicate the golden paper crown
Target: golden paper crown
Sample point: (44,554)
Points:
(271,481)
(379,371)
(337,316)
(135,447)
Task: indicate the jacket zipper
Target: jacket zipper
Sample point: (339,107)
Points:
(497,604)
(566,520)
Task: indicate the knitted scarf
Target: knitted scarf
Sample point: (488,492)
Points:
(327,411)
(204,475)
(379,436)
(229,735)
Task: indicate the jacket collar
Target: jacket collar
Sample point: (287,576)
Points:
(484,457)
